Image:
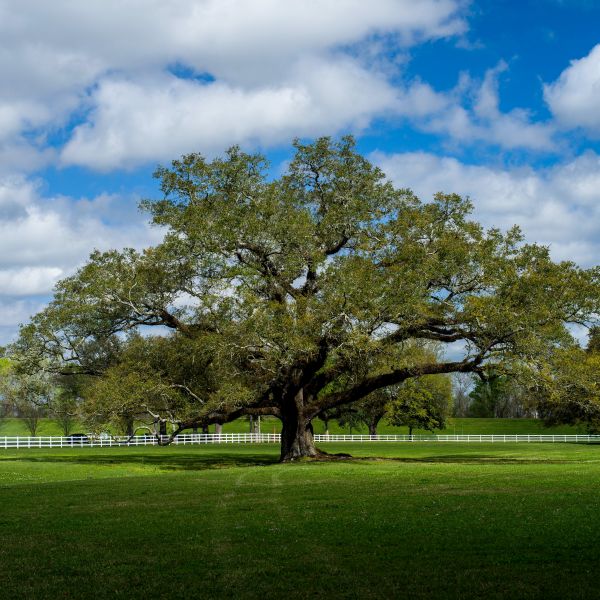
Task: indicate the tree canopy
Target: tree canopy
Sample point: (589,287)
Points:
(568,389)
(421,403)
(300,294)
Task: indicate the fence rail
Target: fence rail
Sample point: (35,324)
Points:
(520,437)
(275,438)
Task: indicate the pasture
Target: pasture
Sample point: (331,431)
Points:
(413,520)
(47,426)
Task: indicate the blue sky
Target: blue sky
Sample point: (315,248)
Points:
(494,99)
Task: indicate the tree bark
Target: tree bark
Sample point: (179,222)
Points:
(374,422)
(218,428)
(297,440)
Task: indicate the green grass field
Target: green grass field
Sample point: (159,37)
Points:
(398,520)
(14,427)
(458,426)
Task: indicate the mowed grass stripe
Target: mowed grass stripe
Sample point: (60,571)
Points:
(425,521)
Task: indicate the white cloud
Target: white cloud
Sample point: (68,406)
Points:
(62,59)
(164,116)
(228,38)
(44,239)
(558,206)
(13,311)
(277,70)
(419,100)
(483,121)
(574,96)
(257,72)
(21,156)
(28,281)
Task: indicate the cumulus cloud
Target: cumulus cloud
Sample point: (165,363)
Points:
(472,114)
(54,56)
(15,310)
(231,39)
(165,116)
(162,116)
(574,97)
(44,239)
(29,281)
(558,206)
(146,80)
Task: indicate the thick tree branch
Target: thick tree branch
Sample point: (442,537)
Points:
(370,384)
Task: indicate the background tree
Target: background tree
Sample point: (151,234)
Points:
(423,403)
(349,417)
(371,409)
(163,385)
(64,409)
(29,396)
(487,397)
(5,366)
(327,416)
(368,412)
(500,396)
(462,384)
(568,391)
(30,413)
(308,285)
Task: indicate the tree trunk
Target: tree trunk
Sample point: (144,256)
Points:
(162,428)
(297,440)
(374,422)
(218,428)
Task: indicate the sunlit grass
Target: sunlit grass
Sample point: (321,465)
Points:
(415,520)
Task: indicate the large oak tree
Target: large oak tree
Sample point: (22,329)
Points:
(308,288)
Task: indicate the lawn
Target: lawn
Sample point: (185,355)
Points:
(414,520)
(454,426)
(14,427)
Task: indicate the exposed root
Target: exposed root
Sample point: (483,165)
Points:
(338,455)
(320,456)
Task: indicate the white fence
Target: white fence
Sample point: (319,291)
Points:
(572,438)
(275,438)
(138,440)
